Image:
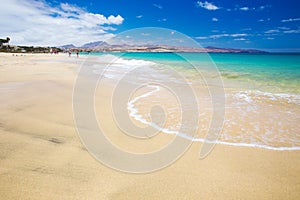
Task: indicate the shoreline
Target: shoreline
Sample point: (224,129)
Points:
(133,112)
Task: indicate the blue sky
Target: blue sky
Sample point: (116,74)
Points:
(273,25)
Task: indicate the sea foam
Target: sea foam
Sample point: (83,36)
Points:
(114,67)
(250,96)
(133,112)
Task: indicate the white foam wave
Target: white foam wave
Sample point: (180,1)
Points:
(261,146)
(114,67)
(133,112)
(250,96)
(113,60)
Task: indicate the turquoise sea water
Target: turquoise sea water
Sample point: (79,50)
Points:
(268,72)
(262,92)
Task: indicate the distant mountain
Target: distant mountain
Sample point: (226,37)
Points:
(100,46)
(68,46)
(230,50)
(94,44)
(167,48)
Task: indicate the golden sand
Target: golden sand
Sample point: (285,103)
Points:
(42,157)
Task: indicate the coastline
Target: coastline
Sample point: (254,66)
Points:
(41,156)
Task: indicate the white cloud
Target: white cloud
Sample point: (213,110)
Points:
(162,20)
(218,36)
(115,20)
(238,35)
(284,28)
(264,7)
(214,19)
(290,20)
(240,39)
(207,5)
(269,38)
(158,6)
(244,8)
(70,8)
(264,20)
(247,8)
(222,35)
(292,31)
(272,31)
(30,22)
(281,30)
(202,37)
(139,16)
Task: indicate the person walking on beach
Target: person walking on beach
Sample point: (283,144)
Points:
(69,53)
(77,53)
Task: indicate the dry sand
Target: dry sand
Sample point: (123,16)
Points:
(41,156)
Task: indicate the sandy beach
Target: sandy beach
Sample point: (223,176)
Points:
(42,157)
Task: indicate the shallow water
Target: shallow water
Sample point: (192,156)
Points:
(262,93)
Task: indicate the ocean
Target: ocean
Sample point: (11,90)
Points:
(257,96)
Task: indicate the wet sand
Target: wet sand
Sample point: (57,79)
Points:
(42,157)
